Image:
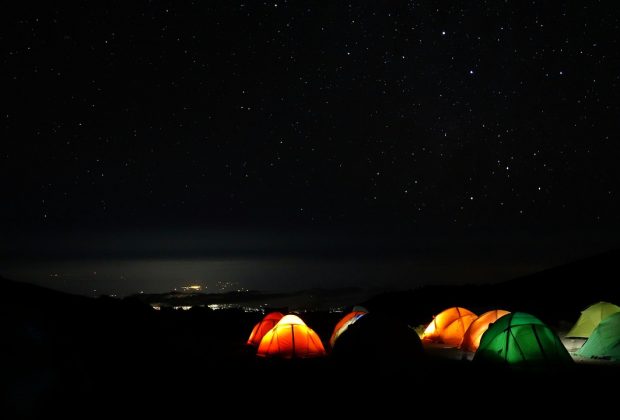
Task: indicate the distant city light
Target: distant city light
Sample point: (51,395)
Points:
(192,288)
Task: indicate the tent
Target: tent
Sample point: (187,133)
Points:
(260,329)
(604,342)
(590,318)
(378,343)
(471,340)
(449,326)
(344,323)
(521,339)
(291,338)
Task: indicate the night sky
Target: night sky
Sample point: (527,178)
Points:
(335,131)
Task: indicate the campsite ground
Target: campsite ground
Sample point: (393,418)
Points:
(118,356)
(82,356)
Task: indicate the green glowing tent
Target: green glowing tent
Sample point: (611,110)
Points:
(521,339)
(590,318)
(604,343)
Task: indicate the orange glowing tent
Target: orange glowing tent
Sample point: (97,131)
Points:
(449,326)
(291,338)
(343,324)
(260,329)
(471,340)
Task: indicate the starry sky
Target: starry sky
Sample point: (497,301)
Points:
(223,128)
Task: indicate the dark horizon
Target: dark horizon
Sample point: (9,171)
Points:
(129,263)
(405,143)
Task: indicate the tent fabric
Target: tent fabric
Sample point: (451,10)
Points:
(291,319)
(604,342)
(590,318)
(449,326)
(291,338)
(260,329)
(344,323)
(453,334)
(521,339)
(471,339)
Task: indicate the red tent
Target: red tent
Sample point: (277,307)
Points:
(260,329)
(343,324)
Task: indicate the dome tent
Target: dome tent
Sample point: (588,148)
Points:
(604,342)
(376,342)
(344,323)
(590,319)
(449,326)
(521,339)
(291,338)
(471,340)
(261,328)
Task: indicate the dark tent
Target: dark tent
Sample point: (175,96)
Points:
(378,343)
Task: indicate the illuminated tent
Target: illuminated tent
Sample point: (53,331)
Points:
(344,323)
(260,329)
(471,340)
(604,342)
(521,339)
(449,326)
(376,342)
(291,338)
(590,318)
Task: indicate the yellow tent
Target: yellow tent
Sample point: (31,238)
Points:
(590,318)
